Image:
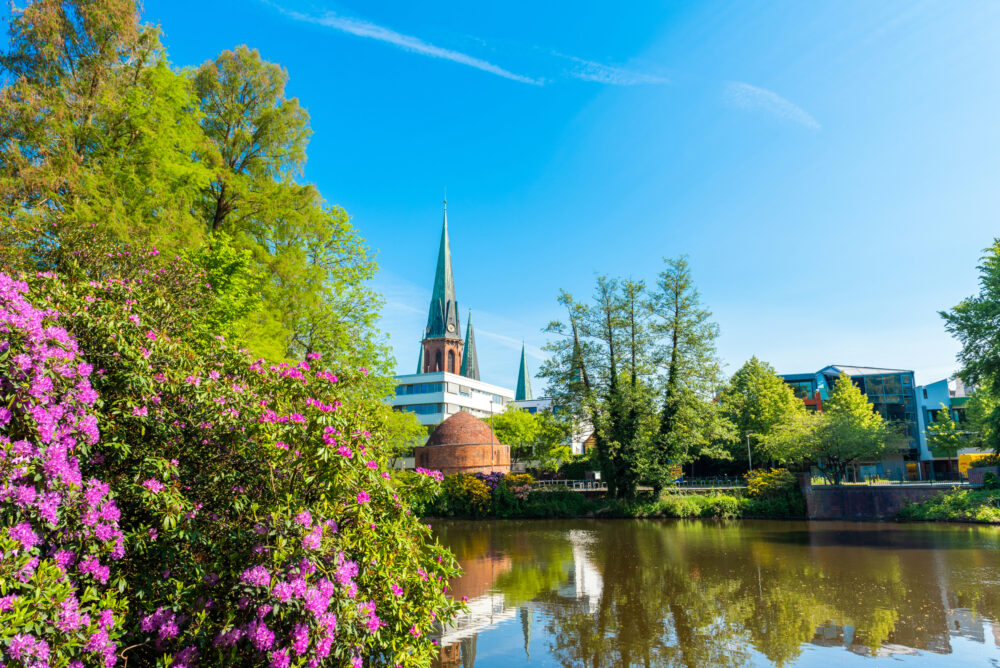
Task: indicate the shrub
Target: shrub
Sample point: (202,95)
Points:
(259,521)
(770,483)
(59,532)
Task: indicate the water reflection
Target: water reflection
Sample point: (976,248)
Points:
(690,593)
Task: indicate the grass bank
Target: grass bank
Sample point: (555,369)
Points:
(960,505)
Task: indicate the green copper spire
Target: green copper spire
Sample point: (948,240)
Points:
(470,360)
(442,318)
(420,361)
(523,391)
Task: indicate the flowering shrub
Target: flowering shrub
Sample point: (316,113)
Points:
(480,495)
(770,483)
(59,533)
(260,523)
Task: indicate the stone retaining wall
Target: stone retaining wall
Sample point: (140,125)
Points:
(864,502)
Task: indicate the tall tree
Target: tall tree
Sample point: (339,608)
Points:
(945,437)
(975,322)
(690,423)
(600,367)
(314,294)
(99,134)
(849,431)
(756,401)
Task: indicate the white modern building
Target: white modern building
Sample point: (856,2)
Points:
(435,396)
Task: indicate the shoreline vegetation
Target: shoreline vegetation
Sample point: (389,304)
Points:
(772,495)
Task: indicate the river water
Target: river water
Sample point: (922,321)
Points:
(708,593)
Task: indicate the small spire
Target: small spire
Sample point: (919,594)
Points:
(420,360)
(470,360)
(523,391)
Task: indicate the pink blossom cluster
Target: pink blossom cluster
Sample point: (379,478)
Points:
(63,520)
(437,475)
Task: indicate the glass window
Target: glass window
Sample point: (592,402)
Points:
(802,389)
(892,385)
(423,409)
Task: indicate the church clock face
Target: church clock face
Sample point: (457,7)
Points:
(451,328)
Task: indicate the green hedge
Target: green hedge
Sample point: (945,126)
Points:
(980,505)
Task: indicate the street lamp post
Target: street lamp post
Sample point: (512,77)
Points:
(749,458)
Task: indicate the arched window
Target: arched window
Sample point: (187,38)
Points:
(437,361)
(451,361)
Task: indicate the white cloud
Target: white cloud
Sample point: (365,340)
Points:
(588,70)
(407,42)
(745,96)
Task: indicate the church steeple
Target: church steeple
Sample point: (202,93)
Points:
(442,317)
(523,391)
(442,344)
(420,360)
(470,361)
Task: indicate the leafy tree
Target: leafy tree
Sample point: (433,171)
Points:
(403,432)
(552,440)
(848,431)
(757,401)
(99,133)
(599,370)
(690,423)
(975,322)
(983,416)
(792,441)
(517,428)
(314,296)
(944,436)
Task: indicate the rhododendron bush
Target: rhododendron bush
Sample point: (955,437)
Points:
(166,499)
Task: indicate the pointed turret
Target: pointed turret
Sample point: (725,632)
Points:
(470,360)
(523,391)
(420,360)
(442,318)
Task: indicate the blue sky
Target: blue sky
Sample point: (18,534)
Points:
(830,168)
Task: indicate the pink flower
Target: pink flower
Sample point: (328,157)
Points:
(140,411)
(151,335)
(154,485)
(414,631)
(345,451)
(363,497)
(396,589)
(371,464)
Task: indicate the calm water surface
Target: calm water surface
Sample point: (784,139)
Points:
(704,593)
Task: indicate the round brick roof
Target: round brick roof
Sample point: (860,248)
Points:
(462,429)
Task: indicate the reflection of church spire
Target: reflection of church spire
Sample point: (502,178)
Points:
(526,619)
(469,651)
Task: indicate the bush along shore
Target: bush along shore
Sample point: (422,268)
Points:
(960,505)
(771,494)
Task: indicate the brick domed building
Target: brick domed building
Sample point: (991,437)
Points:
(463,444)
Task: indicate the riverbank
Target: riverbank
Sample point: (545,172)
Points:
(981,506)
(574,505)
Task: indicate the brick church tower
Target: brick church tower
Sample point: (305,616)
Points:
(442,345)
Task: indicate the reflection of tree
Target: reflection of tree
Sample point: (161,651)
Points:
(692,593)
(650,613)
